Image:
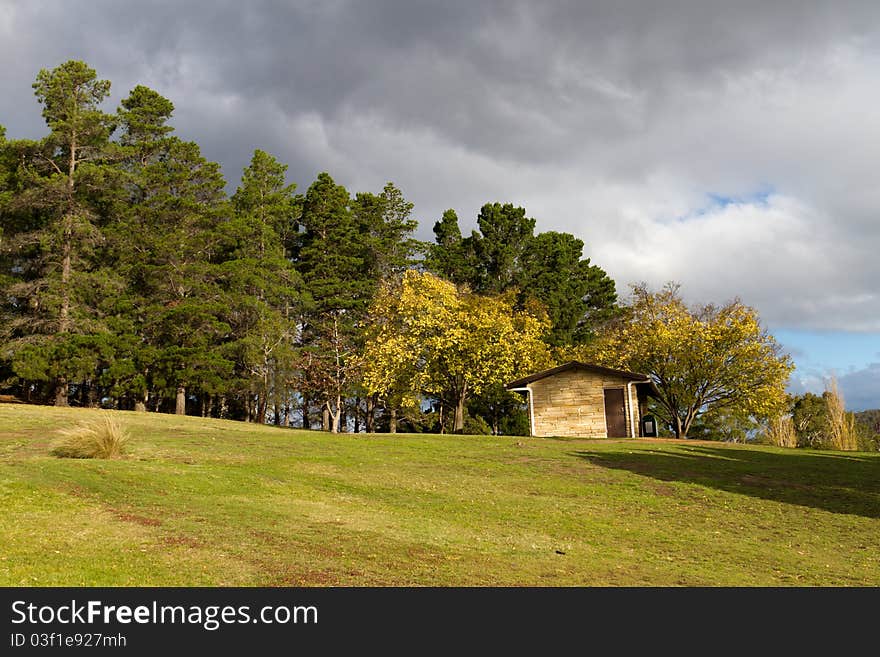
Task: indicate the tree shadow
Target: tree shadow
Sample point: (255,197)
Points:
(839,483)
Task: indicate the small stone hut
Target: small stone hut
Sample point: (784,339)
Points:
(578,399)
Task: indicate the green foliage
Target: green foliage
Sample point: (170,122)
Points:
(505,236)
(476,426)
(384,223)
(71,95)
(329,251)
(451,257)
(579,296)
(506,255)
(57,278)
(868,425)
(505,412)
(730,424)
(809,412)
(813,423)
(143,116)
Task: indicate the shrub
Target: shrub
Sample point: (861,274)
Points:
(476,426)
(98,439)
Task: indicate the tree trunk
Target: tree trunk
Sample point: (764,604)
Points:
(61,391)
(287,415)
(140,405)
(392,421)
(66,249)
(458,420)
(262,407)
(325,418)
(91,395)
(357,414)
(371,414)
(276,411)
(677,427)
(307,421)
(180,408)
(335,417)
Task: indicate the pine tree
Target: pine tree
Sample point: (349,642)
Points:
(331,256)
(55,330)
(505,236)
(384,221)
(261,283)
(174,228)
(579,296)
(451,256)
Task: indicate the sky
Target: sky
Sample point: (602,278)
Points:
(732,147)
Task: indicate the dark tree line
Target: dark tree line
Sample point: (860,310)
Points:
(130,279)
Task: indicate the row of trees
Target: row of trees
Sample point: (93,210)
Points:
(129,278)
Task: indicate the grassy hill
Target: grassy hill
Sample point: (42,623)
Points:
(211,502)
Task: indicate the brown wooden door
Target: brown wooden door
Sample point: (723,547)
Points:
(615,413)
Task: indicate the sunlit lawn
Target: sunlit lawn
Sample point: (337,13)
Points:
(212,502)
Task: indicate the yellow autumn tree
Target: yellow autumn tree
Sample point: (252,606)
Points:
(704,358)
(430,339)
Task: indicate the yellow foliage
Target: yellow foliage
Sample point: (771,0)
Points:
(429,338)
(709,356)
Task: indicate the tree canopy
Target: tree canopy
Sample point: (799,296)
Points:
(130,278)
(700,359)
(433,340)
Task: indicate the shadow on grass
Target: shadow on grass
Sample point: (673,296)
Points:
(840,483)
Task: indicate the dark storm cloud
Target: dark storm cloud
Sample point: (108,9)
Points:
(607,119)
(861,388)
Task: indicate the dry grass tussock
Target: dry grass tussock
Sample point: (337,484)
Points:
(841,425)
(780,432)
(98,439)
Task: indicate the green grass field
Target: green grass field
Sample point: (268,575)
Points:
(211,502)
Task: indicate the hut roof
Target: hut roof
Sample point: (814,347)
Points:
(575,365)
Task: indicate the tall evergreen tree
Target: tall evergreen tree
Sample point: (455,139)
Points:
(145,141)
(262,285)
(579,296)
(181,204)
(386,226)
(56,331)
(451,256)
(505,236)
(331,256)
